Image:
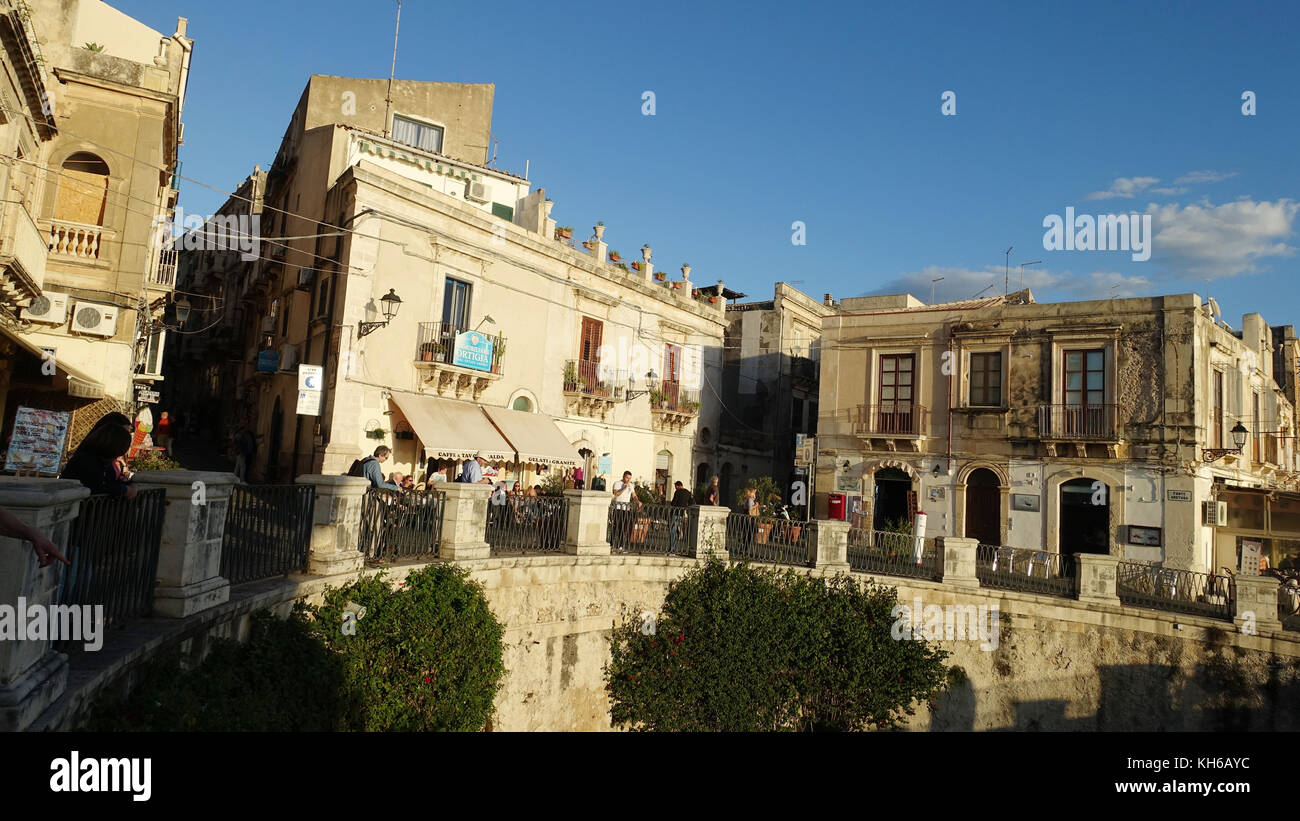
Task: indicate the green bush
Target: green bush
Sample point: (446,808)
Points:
(282,679)
(152,460)
(769,493)
(744,649)
(427,656)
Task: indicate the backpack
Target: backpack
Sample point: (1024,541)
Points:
(358,468)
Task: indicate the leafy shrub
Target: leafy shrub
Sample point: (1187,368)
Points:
(769,494)
(553,484)
(744,649)
(282,679)
(425,657)
(152,460)
(645,493)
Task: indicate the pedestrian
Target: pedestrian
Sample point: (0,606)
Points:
(163,433)
(623,516)
(245,450)
(577,477)
(714,493)
(94,461)
(751,501)
(472,472)
(371,468)
(681,496)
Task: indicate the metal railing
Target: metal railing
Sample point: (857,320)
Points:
(671,396)
(1027,570)
(268,531)
(893,554)
(1178,591)
(398,525)
(1076,421)
(591,379)
(165,272)
(641,528)
(524,525)
(890,419)
(436,342)
(113,547)
(765,539)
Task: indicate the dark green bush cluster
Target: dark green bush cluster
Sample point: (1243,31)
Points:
(426,656)
(738,648)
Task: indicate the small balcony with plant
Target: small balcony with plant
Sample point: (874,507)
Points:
(672,406)
(461,371)
(592,390)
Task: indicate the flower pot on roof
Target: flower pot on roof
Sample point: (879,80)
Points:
(615,257)
(636,266)
(589,245)
(677,286)
(565,231)
(660,276)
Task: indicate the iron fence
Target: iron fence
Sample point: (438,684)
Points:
(641,528)
(765,539)
(893,554)
(1077,421)
(399,525)
(526,525)
(268,531)
(1027,570)
(1179,591)
(113,547)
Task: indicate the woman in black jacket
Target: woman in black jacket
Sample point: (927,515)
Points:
(92,463)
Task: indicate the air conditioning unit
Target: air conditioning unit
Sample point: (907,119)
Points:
(48,307)
(268,324)
(1215,514)
(288,357)
(478,191)
(91,318)
(306,278)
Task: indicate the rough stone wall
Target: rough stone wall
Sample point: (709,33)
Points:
(1139,374)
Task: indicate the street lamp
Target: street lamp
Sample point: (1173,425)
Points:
(390,302)
(182,311)
(1238,438)
(650,378)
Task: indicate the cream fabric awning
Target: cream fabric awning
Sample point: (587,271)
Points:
(79,384)
(535,437)
(453,430)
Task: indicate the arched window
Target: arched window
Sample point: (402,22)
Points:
(522,403)
(82,189)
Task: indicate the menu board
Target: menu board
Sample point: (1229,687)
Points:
(37,441)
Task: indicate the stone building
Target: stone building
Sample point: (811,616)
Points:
(1071,427)
(507,338)
(91,141)
(769,387)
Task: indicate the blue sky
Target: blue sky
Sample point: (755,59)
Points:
(830,114)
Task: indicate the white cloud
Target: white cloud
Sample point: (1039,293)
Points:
(1221,240)
(1198,177)
(964,283)
(1126,187)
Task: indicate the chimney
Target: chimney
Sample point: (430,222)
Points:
(828,301)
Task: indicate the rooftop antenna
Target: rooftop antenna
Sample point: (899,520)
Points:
(1022,271)
(1006,273)
(990,285)
(940,279)
(388,101)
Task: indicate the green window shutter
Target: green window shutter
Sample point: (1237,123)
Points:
(505,212)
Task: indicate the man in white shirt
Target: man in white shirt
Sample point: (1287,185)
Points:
(623,489)
(623,500)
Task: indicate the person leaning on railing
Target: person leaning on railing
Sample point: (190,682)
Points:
(94,463)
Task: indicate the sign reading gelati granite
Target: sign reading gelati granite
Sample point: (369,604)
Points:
(473,350)
(268,361)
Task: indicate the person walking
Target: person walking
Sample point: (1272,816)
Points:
(245,450)
(622,492)
(163,433)
(682,499)
(714,493)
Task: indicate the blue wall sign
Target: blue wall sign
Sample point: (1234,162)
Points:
(268,360)
(473,350)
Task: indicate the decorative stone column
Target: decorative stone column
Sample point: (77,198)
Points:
(464,522)
(189,557)
(599,247)
(1097,575)
(32,675)
(709,534)
(686,279)
(830,545)
(1257,602)
(958,560)
(547,227)
(588,523)
(336,524)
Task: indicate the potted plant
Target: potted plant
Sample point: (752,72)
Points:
(377,433)
(614,256)
(570,375)
(636,266)
(565,231)
(658,398)
(713,300)
(677,286)
(589,245)
(660,276)
(429,350)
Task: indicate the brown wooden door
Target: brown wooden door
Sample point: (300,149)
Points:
(593,331)
(983,507)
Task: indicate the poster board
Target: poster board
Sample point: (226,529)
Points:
(37,442)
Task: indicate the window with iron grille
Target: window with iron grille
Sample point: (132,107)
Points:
(986,379)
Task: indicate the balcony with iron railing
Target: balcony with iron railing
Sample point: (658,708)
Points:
(164,272)
(455,372)
(672,407)
(591,389)
(890,419)
(1077,422)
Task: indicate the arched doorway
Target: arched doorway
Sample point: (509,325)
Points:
(891,505)
(983,507)
(1085,517)
(273,443)
(702,475)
